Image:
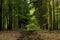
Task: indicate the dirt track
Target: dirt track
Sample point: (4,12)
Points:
(31,35)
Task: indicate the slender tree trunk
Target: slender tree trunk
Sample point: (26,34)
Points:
(50,17)
(0,14)
(10,16)
(57,15)
(4,15)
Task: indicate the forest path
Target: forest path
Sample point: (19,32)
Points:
(29,35)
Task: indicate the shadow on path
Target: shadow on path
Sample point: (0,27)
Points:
(29,35)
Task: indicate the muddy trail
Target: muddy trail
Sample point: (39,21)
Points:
(29,35)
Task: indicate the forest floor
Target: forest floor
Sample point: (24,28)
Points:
(29,35)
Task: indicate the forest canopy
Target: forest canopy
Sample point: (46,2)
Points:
(30,14)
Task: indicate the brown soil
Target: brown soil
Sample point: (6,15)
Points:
(29,35)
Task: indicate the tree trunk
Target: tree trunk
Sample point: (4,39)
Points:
(0,14)
(50,21)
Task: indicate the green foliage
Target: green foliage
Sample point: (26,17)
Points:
(30,14)
(15,10)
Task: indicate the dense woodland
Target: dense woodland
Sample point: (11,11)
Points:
(30,14)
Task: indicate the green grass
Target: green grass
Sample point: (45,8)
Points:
(7,38)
